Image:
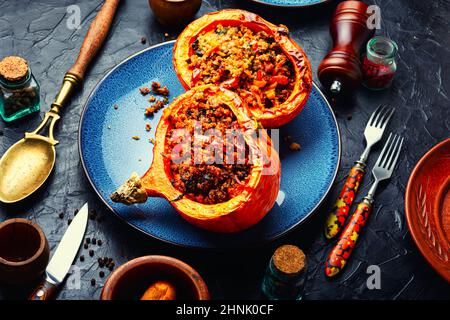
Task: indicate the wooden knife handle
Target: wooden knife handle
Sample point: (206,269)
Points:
(95,37)
(43,292)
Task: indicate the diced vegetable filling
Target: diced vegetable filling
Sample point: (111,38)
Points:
(247,62)
(195,168)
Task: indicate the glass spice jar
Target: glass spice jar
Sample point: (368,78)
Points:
(286,274)
(19,90)
(379,65)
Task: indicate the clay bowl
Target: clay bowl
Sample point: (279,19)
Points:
(129,281)
(172,13)
(427,207)
(24,251)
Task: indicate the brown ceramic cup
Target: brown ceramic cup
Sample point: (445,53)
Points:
(24,251)
(130,281)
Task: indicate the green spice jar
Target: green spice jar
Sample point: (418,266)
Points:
(19,90)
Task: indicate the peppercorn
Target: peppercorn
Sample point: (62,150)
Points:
(94,241)
(61,215)
(88,240)
(85,246)
(69,221)
(349,118)
(1,133)
(91,253)
(143,40)
(101,274)
(75,212)
(92,282)
(99,242)
(111,268)
(81,258)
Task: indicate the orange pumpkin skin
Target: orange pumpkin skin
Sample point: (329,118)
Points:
(241,212)
(270,117)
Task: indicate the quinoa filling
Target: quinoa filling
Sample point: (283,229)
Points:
(249,62)
(205,181)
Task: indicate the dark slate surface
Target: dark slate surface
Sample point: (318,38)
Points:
(37,30)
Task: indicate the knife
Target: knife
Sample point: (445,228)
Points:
(63,257)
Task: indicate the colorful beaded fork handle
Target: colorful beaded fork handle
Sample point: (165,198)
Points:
(383,169)
(374,131)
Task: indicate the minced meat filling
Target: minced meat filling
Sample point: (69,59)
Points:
(205,181)
(248,62)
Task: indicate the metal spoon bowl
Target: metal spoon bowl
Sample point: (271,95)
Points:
(26,165)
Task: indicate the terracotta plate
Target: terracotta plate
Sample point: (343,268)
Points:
(427,205)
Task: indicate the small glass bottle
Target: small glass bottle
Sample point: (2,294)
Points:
(19,90)
(286,274)
(379,65)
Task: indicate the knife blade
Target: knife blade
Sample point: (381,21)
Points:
(63,257)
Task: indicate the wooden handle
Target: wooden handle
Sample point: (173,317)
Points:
(43,292)
(341,252)
(95,37)
(336,218)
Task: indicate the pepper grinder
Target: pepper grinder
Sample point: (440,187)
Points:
(340,70)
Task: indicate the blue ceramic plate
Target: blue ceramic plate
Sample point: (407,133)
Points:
(109,155)
(291,3)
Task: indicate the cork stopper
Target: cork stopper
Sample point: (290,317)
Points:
(13,68)
(289,259)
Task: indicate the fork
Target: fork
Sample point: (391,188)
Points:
(382,170)
(378,121)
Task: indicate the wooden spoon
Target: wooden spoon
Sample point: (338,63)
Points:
(26,165)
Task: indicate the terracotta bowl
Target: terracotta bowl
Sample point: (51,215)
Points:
(173,13)
(129,281)
(24,251)
(427,207)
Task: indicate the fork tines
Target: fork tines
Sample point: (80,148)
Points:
(381,116)
(389,155)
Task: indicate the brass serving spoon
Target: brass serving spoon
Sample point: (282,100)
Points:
(26,165)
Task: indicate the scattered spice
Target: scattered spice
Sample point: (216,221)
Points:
(111,267)
(81,258)
(152,99)
(157,89)
(116,107)
(101,274)
(152,141)
(91,253)
(92,282)
(294,146)
(69,221)
(88,240)
(109,126)
(135,137)
(94,241)
(75,212)
(154,108)
(166,34)
(85,246)
(349,117)
(61,215)
(143,40)
(148,126)
(99,242)
(145,90)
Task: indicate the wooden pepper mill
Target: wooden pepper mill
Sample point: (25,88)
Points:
(340,70)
